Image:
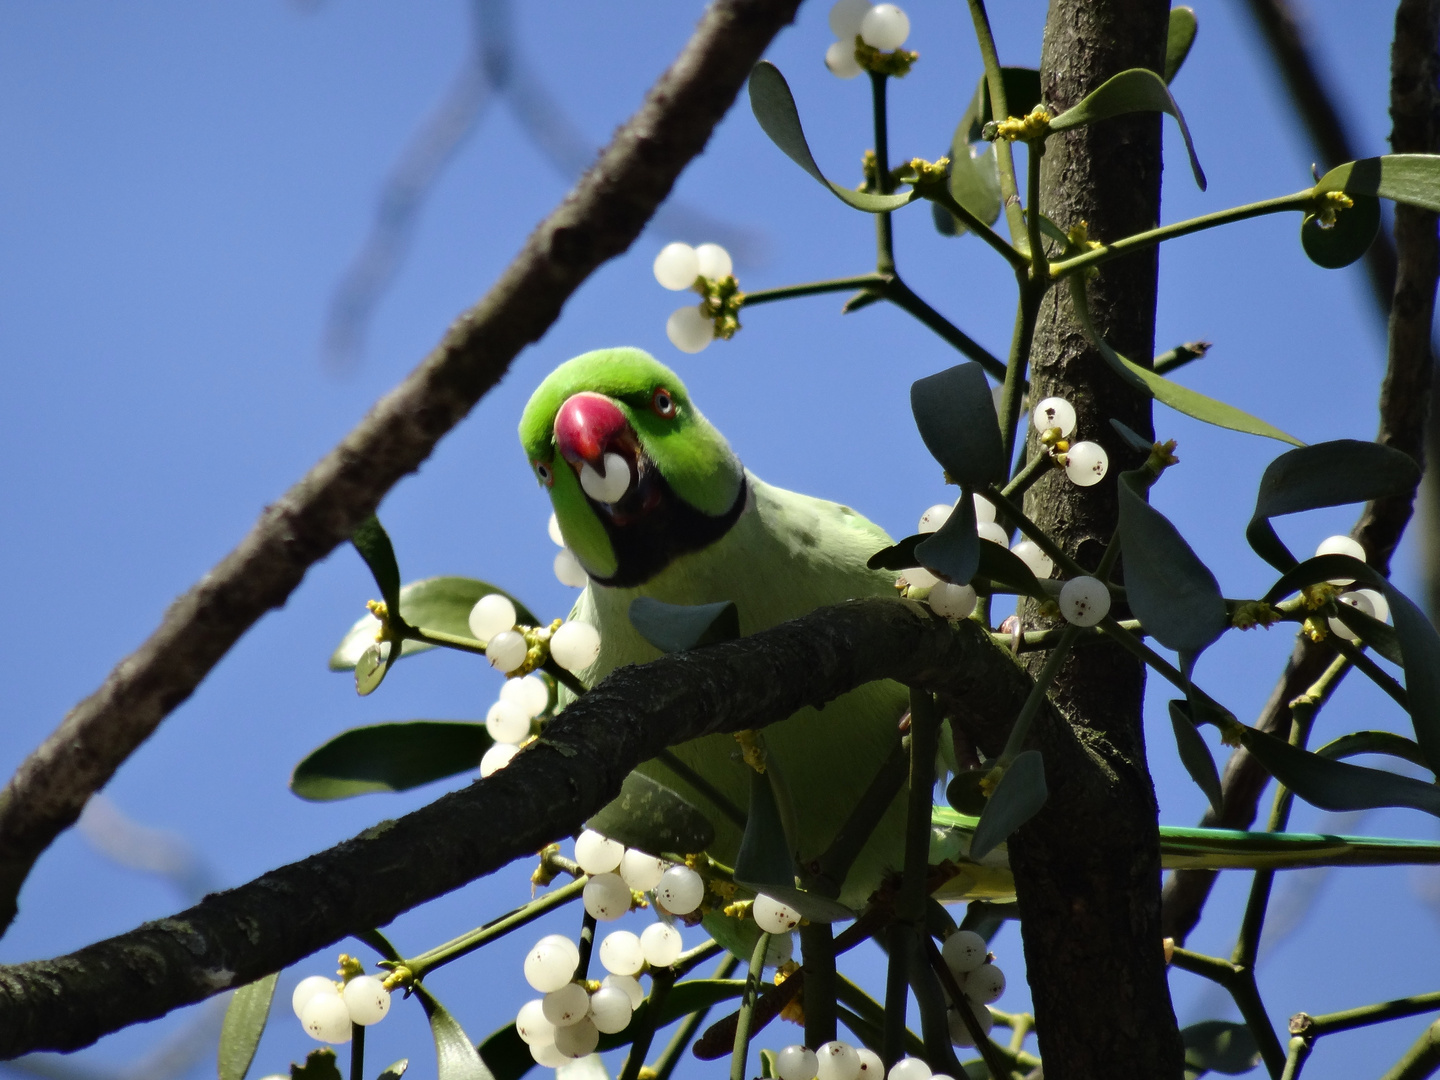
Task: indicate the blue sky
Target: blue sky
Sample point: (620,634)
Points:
(184,186)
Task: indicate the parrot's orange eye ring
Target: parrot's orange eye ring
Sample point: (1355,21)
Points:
(546,474)
(663,403)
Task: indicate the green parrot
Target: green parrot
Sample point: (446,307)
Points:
(653,502)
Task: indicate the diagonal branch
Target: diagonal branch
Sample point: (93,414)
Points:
(597,221)
(1404,406)
(574,769)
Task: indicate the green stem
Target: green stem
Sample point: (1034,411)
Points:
(687,961)
(1357,656)
(1025,479)
(380,943)
(1015,385)
(871,1012)
(813,288)
(741,1053)
(1150,237)
(1179,356)
(1121,633)
(1039,265)
(1241,985)
(884,227)
(467,943)
(716,797)
(817,944)
(1016,742)
(685,1033)
(900,294)
(1000,108)
(357,1052)
(660,983)
(897,997)
(1035,640)
(1330,1023)
(1017,517)
(565,678)
(940,193)
(934,1022)
(1295,1058)
(1421,1060)
(924,745)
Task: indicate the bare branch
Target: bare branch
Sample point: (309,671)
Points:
(575,768)
(1404,408)
(596,222)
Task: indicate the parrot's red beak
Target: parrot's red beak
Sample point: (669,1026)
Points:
(586,427)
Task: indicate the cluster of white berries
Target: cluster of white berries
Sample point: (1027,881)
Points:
(957,601)
(883,26)
(1371,602)
(680,266)
(980,980)
(327,1009)
(839,1060)
(1086,463)
(573,645)
(568,570)
(615,871)
(509,720)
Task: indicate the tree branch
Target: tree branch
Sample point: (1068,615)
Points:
(598,220)
(1404,407)
(574,769)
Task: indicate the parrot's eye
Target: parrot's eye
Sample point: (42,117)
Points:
(543,471)
(663,403)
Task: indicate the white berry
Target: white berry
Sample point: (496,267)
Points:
(677,266)
(326,1018)
(1341,545)
(689,329)
(780,949)
(919,577)
(1055,412)
(1030,553)
(1086,463)
(1084,601)
(985,984)
(577,1040)
(568,1005)
(546,1055)
(307,989)
(885,27)
(984,509)
(367,999)
(964,951)
(641,871)
(840,58)
(627,983)
(621,953)
(610,485)
(568,570)
(531,1024)
(772,916)
(932,519)
(610,1010)
(496,758)
(575,645)
(714,262)
(530,693)
(553,528)
(661,943)
(959,1032)
(551,963)
(845,19)
(872,1067)
(996,534)
(838,1061)
(1369,601)
(507,722)
(598,854)
(491,614)
(606,897)
(506,650)
(681,889)
(909,1068)
(796,1062)
(951,601)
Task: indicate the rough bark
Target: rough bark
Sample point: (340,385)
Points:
(1405,399)
(597,221)
(1087,868)
(234,937)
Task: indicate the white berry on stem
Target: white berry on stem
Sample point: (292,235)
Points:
(677,266)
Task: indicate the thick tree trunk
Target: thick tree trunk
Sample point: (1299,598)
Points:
(1087,868)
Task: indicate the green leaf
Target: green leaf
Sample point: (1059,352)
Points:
(1195,754)
(1351,235)
(1372,632)
(395,1070)
(974,171)
(438,603)
(506,1055)
(953,551)
(1137,441)
(456,1056)
(1017,798)
(955,413)
(1178,40)
(1004,567)
(765,860)
(1373,742)
(1327,474)
(396,756)
(1180,398)
(898,556)
(650,816)
(1135,90)
(373,666)
(677,627)
(1378,635)
(1173,593)
(774,107)
(245,1019)
(373,543)
(1336,785)
(319,1065)
(1221,1046)
(1408,178)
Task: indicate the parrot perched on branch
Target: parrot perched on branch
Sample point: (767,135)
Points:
(654,503)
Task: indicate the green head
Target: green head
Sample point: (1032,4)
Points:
(636,475)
